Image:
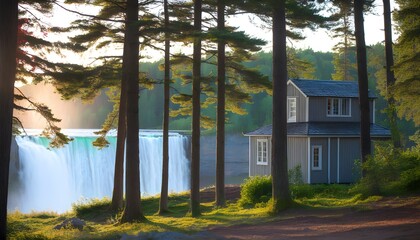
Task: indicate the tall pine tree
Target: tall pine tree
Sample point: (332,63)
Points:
(130,71)
(365,141)
(196,113)
(8,49)
(163,203)
(390,76)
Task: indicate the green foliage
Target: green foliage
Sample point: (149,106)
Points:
(390,171)
(320,191)
(295,175)
(255,190)
(91,209)
(102,223)
(407,86)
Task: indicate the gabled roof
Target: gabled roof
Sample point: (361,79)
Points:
(323,129)
(328,88)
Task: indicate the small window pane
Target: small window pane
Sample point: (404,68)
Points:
(316,157)
(262,151)
(345,107)
(291,106)
(335,106)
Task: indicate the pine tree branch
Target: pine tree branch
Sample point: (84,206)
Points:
(88,15)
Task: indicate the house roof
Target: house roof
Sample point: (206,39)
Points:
(323,129)
(329,88)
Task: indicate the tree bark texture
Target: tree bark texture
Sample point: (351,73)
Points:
(365,144)
(196,114)
(281,195)
(390,77)
(8,48)
(163,203)
(132,211)
(118,191)
(220,132)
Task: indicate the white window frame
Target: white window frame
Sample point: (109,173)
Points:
(262,159)
(289,117)
(319,147)
(330,112)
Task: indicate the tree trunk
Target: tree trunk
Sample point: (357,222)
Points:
(346,50)
(8,48)
(118,191)
(390,78)
(196,109)
(281,195)
(220,141)
(163,204)
(365,144)
(132,211)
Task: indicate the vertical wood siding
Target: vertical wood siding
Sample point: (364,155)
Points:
(349,152)
(333,160)
(320,176)
(318,111)
(297,154)
(254,169)
(292,91)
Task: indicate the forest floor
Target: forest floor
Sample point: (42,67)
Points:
(336,215)
(388,218)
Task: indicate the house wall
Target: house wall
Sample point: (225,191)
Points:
(333,159)
(292,91)
(320,176)
(349,152)
(254,168)
(318,111)
(298,155)
(340,168)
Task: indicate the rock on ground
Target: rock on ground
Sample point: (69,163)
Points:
(71,223)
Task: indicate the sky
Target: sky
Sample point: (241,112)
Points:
(318,41)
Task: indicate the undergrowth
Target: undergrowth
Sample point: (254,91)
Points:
(390,171)
(101,223)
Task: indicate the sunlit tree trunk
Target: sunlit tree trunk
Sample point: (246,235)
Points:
(196,109)
(163,204)
(365,144)
(118,191)
(8,48)
(281,195)
(220,138)
(390,78)
(132,211)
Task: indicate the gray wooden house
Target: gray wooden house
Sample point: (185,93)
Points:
(323,132)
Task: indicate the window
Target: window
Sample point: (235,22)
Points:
(317,157)
(262,152)
(291,109)
(338,107)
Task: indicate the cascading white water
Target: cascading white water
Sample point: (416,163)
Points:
(53,179)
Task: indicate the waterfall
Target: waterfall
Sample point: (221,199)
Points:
(52,179)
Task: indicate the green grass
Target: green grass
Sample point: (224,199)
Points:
(103,224)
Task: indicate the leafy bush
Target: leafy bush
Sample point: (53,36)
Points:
(255,190)
(295,175)
(390,171)
(92,208)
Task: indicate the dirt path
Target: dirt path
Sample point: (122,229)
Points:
(390,218)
